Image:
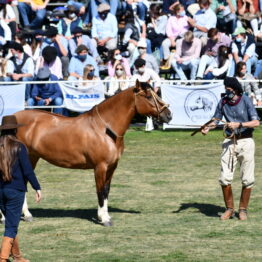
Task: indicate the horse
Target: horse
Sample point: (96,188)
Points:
(92,140)
(202,103)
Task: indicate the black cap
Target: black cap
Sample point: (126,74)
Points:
(77,30)
(234,84)
(51,31)
(16,46)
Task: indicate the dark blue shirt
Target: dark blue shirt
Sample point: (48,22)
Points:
(244,111)
(22,172)
(47,90)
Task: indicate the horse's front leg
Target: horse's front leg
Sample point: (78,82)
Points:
(27,215)
(2,221)
(102,188)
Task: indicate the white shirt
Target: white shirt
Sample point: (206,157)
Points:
(251,50)
(148,76)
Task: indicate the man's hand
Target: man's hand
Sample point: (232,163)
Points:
(204,130)
(233,125)
(47,101)
(16,77)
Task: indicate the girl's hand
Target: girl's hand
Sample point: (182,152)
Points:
(38,196)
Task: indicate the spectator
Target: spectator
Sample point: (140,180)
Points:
(32,8)
(135,30)
(167,4)
(115,58)
(8,15)
(89,74)
(187,55)
(80,39)
(67,24)
(139,7)
(20,67)
(21,38)
(94,4)
(226,15)
(250,88)
(79,61)
(36,45)
(151,61)
(118,82)
(243,49)
(218,68)
(105,28)
(216,39)
(203,20)
(248,15)
(61,45)
(145,74)
(5,32)
(156,29)
(51,60)
(46,94)
(177,26)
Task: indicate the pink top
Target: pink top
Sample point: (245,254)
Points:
(124,63)
(177,26)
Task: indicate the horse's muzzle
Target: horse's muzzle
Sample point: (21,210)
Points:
(165,116)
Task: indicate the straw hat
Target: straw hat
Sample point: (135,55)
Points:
(9,122)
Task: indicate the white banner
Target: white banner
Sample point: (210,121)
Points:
(80,98)
(12,99)
(191,105)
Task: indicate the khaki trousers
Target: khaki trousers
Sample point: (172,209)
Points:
(244,153)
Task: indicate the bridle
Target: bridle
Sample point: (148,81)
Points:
(157,100)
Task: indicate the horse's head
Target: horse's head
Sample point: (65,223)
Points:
(148,103)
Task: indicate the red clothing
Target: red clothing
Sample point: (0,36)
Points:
(255,3)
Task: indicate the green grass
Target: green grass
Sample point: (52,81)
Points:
(165,203)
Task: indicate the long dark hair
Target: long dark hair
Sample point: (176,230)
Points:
(9,146)
(222,55)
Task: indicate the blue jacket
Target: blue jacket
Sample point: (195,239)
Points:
(47,90)
(22,172)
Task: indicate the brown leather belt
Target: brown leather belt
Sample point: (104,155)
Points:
(237,137)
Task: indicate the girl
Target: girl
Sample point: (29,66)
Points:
(15,171)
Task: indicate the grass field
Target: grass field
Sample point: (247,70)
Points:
(165,203)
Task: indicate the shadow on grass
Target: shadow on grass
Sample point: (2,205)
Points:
(88,214)
(206,209)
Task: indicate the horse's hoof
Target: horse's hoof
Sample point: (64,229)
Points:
(27,219)
(108,223)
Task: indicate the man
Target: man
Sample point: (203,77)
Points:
(29,8)
(20,67)
(80,39)
(61,45)
(187,55)
(144,74)
(243,49)
(105,28)
(203,20)
(46,94)
(216,39)
(239,146)
(79,61)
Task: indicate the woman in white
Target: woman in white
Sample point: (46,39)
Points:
(117,83)
(8,15)
(89,77)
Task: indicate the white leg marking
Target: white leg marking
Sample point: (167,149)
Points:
(25,210)
(103,212)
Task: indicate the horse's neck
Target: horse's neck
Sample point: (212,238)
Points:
(118,111)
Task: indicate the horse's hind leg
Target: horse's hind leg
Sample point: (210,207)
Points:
(27,215)
(103,187)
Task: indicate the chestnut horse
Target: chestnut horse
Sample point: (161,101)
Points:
(93,140)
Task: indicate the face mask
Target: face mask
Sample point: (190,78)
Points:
(230,94)
(39,39)
(182,13)
(72,16)
(141,70)
(241,74)
(16,55)
(91,74)
(48,41)
(103,16)
(238,39)
(119,72)
(141,51)
(118,57)
(81,57)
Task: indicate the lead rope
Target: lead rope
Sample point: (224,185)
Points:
(233,137)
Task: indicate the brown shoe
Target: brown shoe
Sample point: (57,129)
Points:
(242,214)
(243,204)
(229,213)
(15,252)
(7,243)
(229,202)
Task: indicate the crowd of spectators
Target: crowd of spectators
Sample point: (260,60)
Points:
(128,40)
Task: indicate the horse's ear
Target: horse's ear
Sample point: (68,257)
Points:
(137,86)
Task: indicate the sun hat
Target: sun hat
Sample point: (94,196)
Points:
(239,30)
(103,7)
(43,73)
(9,122)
